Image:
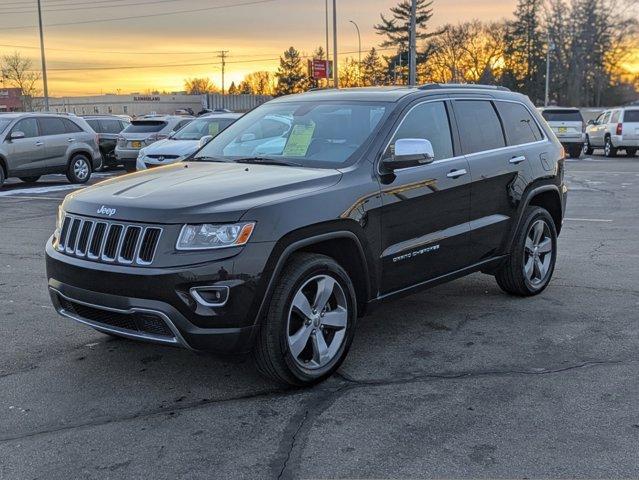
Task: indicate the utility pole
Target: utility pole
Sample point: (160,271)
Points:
(551,46)
(328,61)
(335,72)
(222,55)
(359,55)
(44,62)
(412,47)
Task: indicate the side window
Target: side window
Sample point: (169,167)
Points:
(479,126)
(52,126)
(95,125)
(70,126)
(430,122)
(615,116)
(606,118)
(181,124)
(111,126)
(28,126)
(519,125)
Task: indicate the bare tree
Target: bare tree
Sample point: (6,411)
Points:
(199,86)
(17,71)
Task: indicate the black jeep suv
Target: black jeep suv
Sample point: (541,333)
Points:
(276,236)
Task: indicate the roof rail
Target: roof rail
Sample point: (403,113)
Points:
(474,86)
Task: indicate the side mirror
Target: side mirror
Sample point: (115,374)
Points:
(204,140)
(409,152)
(17,135)
(247,137)
(592,122)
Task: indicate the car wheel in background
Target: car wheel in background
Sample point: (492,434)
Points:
(30,179)
(587,148)
(574,151)
(310,322)
(1,176)
(531,263)
(631,152)
(609,149)
(79,170)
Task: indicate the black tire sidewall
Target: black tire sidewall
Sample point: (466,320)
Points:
(537,214)
(325,267)
(609,149)
(71,173)
(2,177)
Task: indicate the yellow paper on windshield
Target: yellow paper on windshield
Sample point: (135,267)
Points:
(214,128)
(299,140)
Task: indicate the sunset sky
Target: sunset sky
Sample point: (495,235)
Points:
(254,33)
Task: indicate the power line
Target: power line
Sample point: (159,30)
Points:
(151,15)
(92,6)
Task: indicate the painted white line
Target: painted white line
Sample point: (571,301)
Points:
(600,173)
(57,188)
(587,220)
(26,197)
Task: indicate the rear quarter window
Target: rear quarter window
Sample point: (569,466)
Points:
(519,125)
(631,116)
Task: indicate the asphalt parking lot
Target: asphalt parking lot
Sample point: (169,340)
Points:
(458,381)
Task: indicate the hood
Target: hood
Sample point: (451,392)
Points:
(172,147)
(196,192)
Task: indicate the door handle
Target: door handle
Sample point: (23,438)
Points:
(38,144)
(70,140)
(456,173)
(517,160)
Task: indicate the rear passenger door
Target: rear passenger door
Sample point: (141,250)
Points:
(425,208)
(55,137)
(493,135)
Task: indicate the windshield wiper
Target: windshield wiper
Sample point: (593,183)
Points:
(268,161)
(210,159)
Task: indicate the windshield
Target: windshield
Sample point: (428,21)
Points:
(4,123)
(314,134)
(201,127)
(144,126)
(562,115)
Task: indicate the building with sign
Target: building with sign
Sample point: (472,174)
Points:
(11,100)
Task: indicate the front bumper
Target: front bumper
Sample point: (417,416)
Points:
(154,304)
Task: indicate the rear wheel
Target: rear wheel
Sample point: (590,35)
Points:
(30,179)
(587,148)
(574,151)
(631,152)
(2,177)
(79,170)
(531,263)
(609,149)
(310,322)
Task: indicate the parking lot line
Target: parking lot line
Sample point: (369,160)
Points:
(28,197)
(56,188)
(588,220)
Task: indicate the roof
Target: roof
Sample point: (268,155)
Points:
(230,115)
(568,109)
(389,94)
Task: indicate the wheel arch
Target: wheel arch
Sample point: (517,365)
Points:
(343,244)
(80,151)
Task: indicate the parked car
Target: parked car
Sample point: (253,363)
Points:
(376,193)
(36,144)
(108,128)
(144,132)
(185,141)
(568,126)
(614,130)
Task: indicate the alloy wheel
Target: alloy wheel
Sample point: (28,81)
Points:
(317,322)
(538,253)
(81,169)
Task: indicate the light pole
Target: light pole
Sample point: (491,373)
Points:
(412,45)
(551,46)
(328,80)
(44,62)
(335,72)
(359,55)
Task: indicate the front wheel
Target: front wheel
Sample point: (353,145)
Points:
(531,263)
(609,149)
(79,170)
(1,176)
(310,322)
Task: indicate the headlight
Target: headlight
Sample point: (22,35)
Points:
(208,236)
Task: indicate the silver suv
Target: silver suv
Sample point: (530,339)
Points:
(36,144)
(568,126)
(144,132)
(614,130)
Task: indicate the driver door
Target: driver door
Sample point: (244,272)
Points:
(26,154)
(426,208)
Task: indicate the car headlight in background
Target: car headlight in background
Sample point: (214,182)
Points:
(209,236)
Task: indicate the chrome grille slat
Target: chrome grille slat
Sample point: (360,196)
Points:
(109,241)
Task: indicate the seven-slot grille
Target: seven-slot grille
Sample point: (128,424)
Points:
(108,241)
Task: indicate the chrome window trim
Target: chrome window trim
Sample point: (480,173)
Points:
(467,156)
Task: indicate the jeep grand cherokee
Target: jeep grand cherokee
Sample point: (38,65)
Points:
(276,241)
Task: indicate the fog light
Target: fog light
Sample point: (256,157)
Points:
(211,296)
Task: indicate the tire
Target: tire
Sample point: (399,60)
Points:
(130,168)
(79,169)
(587,148)
(275,354)
(2,177)
(574,151)
(609,150)
(631,152)
(33,179)
(515,276)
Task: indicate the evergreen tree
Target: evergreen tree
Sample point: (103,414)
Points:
(291,77)
(397,27)
(318,54)
(373,70)
(233,89)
